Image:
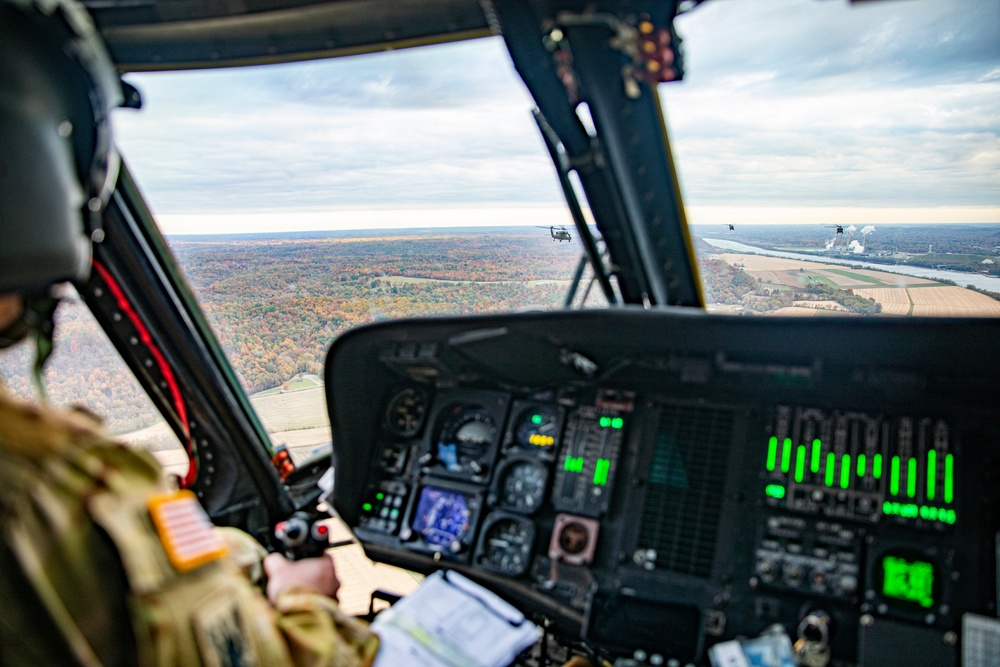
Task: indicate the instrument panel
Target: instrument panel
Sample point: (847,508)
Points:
(617,473)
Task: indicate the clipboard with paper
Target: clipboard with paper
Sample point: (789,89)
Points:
(451,621)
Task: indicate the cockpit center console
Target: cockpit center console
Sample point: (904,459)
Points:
(659,482)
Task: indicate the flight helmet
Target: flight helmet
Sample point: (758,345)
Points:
(57,162)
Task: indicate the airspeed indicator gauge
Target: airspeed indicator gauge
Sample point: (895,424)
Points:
(405,413)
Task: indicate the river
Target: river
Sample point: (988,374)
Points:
(960,278)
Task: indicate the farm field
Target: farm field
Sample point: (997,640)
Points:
(896,294)
(796,273)
(894,300)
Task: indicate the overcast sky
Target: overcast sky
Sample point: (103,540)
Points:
(790,111)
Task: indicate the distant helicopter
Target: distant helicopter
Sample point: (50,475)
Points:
(558,233)
(732,228)
(839,228)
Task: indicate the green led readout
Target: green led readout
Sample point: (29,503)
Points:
(931,474)
(367,507)
(380,495)
(613,422)
(948,472)
(772,453)
(913,511)
(573,463)
(601,472)
(809,464)
(800,464)
(536,419)
(910,581)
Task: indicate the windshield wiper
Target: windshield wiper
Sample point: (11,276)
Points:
(593,256)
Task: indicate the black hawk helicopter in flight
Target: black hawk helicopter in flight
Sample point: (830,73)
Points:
(558,233)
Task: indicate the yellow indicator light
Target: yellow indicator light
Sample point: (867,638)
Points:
(541,440)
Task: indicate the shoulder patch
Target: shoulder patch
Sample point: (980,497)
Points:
(185,530)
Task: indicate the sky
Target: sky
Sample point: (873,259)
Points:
(791,111)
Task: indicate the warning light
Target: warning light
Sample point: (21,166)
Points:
(321,530)
(282,462)
(656,53)
(541,440)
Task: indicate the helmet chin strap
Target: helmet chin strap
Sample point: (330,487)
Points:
(38,320)
(44,331)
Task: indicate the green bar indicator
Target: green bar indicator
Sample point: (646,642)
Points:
(830,465)
(861,465)
(845,471)
(931,473)
(601,472)
(786,455)
(775,491)
(877,466)
(894,476)
(772,453)
(949,470)
(911,477)
(814,464)
(800,464)
(573,463)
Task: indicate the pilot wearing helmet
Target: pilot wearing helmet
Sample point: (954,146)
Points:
(93,569)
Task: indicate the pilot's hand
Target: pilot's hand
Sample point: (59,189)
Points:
(318,574)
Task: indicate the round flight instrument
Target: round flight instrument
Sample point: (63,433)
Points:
(406,411)
(465,437)
(522,486)
(537,428)
(506,545)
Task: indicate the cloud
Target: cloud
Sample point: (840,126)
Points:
(360,131)
(786,103)
(792,103)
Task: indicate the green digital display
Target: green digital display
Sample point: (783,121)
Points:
(908,581)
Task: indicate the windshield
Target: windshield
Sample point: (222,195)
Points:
(842,159)
(303,200)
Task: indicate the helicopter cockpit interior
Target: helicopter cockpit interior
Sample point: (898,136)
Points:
(647,482)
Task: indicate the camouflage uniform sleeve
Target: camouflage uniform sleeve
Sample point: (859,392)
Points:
(81,553)
(316,630)
(319,633)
